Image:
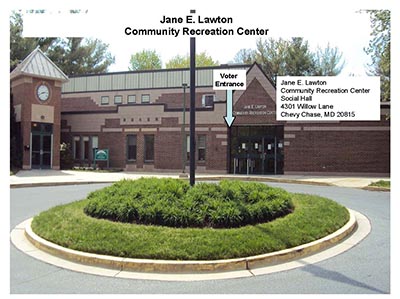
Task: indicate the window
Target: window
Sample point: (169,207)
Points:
(77,147)
(95,142)
(104,100)
(85,147)
(201,147)
(148,148)
(207,100)
(131,147)
(117,99)
(42,127)
(187,147)
(131,99)
(145,98)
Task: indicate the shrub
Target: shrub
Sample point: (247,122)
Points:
(174,203)
(66,156)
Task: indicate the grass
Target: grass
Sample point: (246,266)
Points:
(314,217)
(171,202)
(381,183)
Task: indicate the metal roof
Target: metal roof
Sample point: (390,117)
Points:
(37,64)
(139,80)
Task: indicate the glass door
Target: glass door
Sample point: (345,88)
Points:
(255,155)
(41,145)
(46,151)
(240,156)
(269,155)
(36,148)
(273,155)
(256,150)
(41,151)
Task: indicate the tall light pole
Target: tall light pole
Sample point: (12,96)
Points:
(192,109)
(184,85)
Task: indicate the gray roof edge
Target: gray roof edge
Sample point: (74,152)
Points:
(21,69)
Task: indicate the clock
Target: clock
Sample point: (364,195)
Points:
(43,92)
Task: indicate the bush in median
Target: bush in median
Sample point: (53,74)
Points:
(170,202)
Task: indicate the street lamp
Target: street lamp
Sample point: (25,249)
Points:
(184,85)
(192,84)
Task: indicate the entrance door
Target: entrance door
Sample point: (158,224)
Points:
(272,155)
(41,146)
(257,150)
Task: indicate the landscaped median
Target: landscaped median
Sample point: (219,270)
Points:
(233,221)
(381,185)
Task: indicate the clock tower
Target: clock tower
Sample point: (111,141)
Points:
(36,87)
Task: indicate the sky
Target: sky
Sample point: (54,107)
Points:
(224,50)
(351,36)
(340,26)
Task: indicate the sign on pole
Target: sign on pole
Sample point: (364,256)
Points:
(102,155)
(229,80)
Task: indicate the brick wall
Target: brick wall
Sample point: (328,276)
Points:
(116,146)
(112,123)
(216,153)
(343,147)
(340,147)
(255,106)
(79,104)
(24,92)
(168,150)
(175,100)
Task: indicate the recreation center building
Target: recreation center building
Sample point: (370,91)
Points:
(142,119)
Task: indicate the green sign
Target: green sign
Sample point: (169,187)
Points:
(101,155)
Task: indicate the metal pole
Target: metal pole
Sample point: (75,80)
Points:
(183,129)
(229,152)
(192,108)
(275,155)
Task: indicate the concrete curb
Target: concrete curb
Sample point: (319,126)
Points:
(261,179)
(374,188)
(55,184)
(181,267)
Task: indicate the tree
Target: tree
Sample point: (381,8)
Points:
(271,55)
(299,60)
(66,156)
(72,55)
(76,56)
(21,47)
(379,49)
(328,61)
(180,61)
(285,57)
(246,56)
(15,138)
(145,60)
(279,57)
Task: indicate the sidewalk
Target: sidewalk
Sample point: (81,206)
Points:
(25,178)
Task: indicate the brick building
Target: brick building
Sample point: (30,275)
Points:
(139,117)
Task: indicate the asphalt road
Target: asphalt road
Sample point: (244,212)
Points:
(363,269)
